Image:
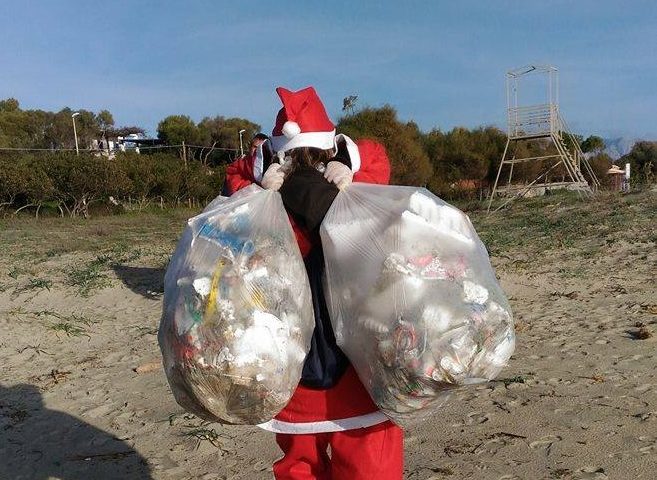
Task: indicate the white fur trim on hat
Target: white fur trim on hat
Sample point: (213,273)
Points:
(259,160)
(258,164)
(323,140)
(291,129)
(352,150)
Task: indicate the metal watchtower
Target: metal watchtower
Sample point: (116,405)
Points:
(538,119)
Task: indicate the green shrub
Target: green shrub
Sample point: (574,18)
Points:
(73,183)
(80,181)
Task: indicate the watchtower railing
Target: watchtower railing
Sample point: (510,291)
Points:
(532,121)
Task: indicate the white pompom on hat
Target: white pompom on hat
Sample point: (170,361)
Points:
(291,129)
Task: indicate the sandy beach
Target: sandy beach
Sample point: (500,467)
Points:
(83,394)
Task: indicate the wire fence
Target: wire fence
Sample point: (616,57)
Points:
(87,150)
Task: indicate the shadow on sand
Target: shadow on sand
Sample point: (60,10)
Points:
(37,443)
(145,281)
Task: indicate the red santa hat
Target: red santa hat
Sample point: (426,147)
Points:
(302,122)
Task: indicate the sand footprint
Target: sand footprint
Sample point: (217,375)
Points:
(646,416)
(544,442)
(98,411)
(492,446)
(473,418)
(590,473)
(650,448)
(643,388)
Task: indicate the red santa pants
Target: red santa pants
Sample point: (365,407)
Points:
(376,452)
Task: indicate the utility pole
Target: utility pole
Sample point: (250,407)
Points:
(75,133)
(241,145)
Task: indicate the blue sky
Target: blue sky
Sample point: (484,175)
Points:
(439,63)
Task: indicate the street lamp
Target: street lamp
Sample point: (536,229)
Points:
(241,146)
(75,133)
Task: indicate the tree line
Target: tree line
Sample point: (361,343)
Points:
(212,141)
(453,164)
(41,129)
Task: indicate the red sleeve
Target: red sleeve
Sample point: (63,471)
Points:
(374,163)
(239,174)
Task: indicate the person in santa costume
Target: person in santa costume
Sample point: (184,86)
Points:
(330,406)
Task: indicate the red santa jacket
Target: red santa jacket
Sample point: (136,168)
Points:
(346,405)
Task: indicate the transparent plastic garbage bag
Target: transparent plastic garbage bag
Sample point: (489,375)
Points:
(413,299)
(237,314)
